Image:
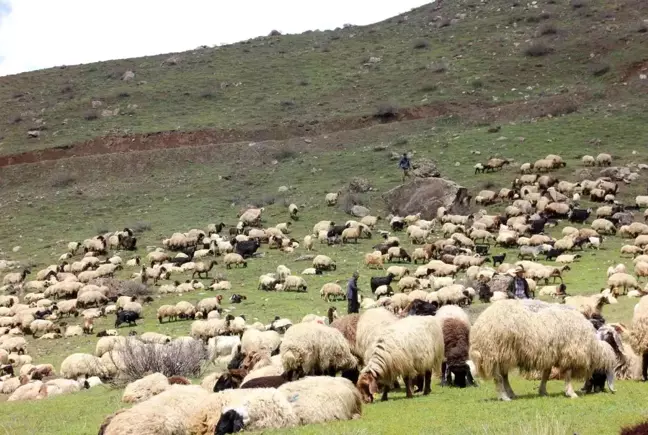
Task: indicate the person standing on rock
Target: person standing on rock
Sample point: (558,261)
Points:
(352,294)
(405,165)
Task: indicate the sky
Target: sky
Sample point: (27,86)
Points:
(36,34)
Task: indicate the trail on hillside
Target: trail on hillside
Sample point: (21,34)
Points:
(472,111)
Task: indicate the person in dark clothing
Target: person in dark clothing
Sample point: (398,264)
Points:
(352,294)
(519,287)
(405,165)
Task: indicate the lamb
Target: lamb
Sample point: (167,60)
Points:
(155,338)
(534,335)
(399,253)
(74,331)
(332,198)
(220,285)
(332,290)
(374,260)
(234,259)
(312,348)
(409,347)
(588,160)
(82,364)
(145,388)
(167,413)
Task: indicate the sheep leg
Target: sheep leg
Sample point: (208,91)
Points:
(610,379)
(499,385)
(427,383)
(569,389)
(543,383)
(384,398)
(471,380)
(644,366)
(507,386)
(445,374)
(408,387)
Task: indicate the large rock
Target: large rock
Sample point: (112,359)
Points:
(359,211)
(425,168)
(359,185)
(616,173)
(425,196)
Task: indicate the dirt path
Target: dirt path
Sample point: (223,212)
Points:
(469,111)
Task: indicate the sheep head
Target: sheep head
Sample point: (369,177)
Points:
(368,386)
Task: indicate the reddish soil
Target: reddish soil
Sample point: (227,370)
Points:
(475,111)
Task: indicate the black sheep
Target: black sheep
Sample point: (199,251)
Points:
(553,253)
(498,259)
(421,308)
(126,317)
(377,281)
(246,248)
(265,382)
(485,293)
(398,225)
(230,422)
(456,341)
(336,231)
(236,298)
(579,215)
(482,249)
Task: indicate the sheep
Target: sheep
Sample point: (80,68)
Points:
(145,388)
(622,280)
(312,348)
(566,258)
(323,399)
(165,413)
(374,260)
(332,291)
(233,259)
(603,226)
(456,332)
(324,263)
(589,306)
(409,347)
(399,253)
(81,364)
(639,333)
(267,282)
(32,391)
(294,283)
(534,335)
(604,159)
(15,278)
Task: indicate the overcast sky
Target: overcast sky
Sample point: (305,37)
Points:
(37,34)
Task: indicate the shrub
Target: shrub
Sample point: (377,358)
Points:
(207,94)
(477,84)
(287,104)
(140,227)
(443,23)
(547,29)
(576,4)
(386,111)
(173,359)
(62,180)
(283,155)
(123,94)
(91,115)
(303,82)
(275,33)
(438,67)
(421,43)
(560,108)
(401,141)
(346,201)
(599,69)
(66,89)
(642,28)
(538,49)
(264,201)
(430,87)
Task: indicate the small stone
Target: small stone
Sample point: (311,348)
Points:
(283,189)
(457,164)
(16,248)
(128,76)
(96,104)
(308,141)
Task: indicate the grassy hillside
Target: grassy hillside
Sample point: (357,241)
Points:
(463,53)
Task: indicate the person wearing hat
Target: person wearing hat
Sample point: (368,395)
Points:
(519,287)
(352,294)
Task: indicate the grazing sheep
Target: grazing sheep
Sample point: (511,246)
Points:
(324,263)
(332,198)
(639,334)
(294,283)
(82,364)
(332,291)
(534,335)
(409,347)
(234,259)
(314,349)
(622,280)
(604,159)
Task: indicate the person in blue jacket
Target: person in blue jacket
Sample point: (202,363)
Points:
(405,165)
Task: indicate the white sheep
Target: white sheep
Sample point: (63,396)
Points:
(81,364)
(409,347)
(145,388)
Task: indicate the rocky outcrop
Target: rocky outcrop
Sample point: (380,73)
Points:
(425,196)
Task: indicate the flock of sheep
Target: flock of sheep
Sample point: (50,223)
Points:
(284,374)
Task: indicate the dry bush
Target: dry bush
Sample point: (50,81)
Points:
(140,227)
(284,155)
(538,49)
(430,87)
(599,69)
(547,29)
(91,115)
(386,111)
(173,359)
(577,4)
(438,67)
(118,287)
(62,180)
(264,201)
(421,43)
(275,33)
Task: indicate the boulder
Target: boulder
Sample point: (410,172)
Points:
(359,185)
(425,196)
(359,211)
(128,76)
(616,173)
(425,168)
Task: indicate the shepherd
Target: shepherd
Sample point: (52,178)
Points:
(405,165)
